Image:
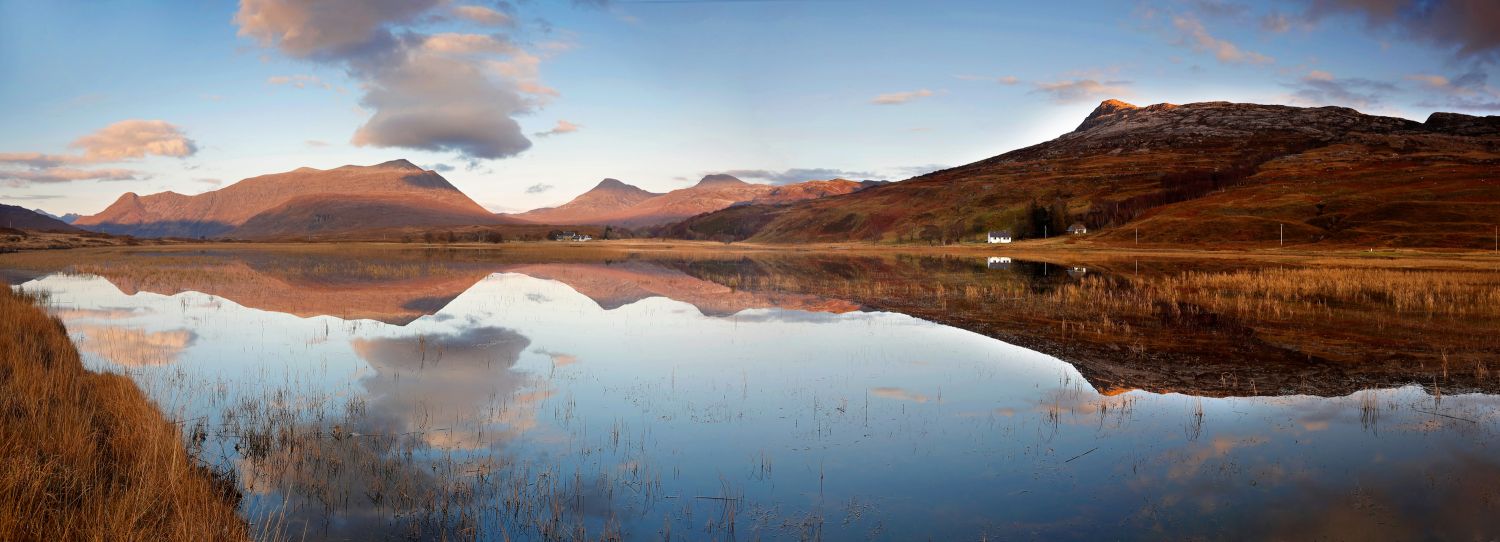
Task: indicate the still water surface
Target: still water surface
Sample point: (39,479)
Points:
(587,400)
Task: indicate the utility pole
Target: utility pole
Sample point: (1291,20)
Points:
(1137,236)
(1283,235)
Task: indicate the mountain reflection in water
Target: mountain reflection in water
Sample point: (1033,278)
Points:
(433,396)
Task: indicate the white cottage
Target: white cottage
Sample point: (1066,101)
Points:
(1078,228)
(1001,236)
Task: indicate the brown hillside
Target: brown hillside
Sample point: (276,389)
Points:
(20,218)
(621,204)
(1200,174)
(302,201)
(608,198)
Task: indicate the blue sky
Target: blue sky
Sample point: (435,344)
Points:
(526,104)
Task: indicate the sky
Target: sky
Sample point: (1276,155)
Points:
(529,103)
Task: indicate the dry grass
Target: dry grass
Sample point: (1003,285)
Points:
(85,456)
(1235,329)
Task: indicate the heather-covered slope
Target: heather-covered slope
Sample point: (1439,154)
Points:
(304,201)
(1198,174)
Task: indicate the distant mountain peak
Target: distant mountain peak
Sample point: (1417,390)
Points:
(613,184)
(1106,110)
(720,179)
(300,202)
(401,163)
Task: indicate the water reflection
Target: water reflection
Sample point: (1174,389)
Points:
(755,398)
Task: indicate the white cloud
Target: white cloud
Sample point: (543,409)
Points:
(299,81)
(797,175)
(1195,36)
(562,127)
(64,174)
(135,139)
(1082,90)
(1004,79)
(1323,88)
(122,141)
(483,15)
(458,92)
(1468,91)
(896,98)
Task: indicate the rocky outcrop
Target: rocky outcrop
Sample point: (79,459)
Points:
(1464,125)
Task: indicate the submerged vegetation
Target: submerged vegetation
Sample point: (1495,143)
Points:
(85,456)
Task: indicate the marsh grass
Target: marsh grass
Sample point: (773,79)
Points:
(1415,325)
(86,456)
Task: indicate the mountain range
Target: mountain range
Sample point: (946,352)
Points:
(1197,174)
(324,204)
(301,202)
(1213,173)
(615,203)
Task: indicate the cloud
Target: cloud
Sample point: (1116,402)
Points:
(327,30)
(1468,91)
(917,171)
(1195,36)
(431,101)
(130,347)
(1081,90)
(439,167)
(538,188)
(118,142)
(797,175)
(562,127)
(315,143)
(1470,28)
(28,197)
(483,15)
(898,394)
(1004,79)
(1276,23)
(208,181)
(129,139)
(465,44)
(1322,88)
(1218,8)
(65,174)
(299,81)
(452,92)
(896,98)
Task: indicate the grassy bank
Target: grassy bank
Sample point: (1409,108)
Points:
(85,456)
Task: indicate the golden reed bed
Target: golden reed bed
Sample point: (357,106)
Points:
(85,456)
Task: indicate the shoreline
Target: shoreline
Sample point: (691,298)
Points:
(1066,251)
(86,455)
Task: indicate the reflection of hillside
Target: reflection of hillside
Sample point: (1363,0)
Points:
(1220,333)
(396,299)
(616,285)
(399,291)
